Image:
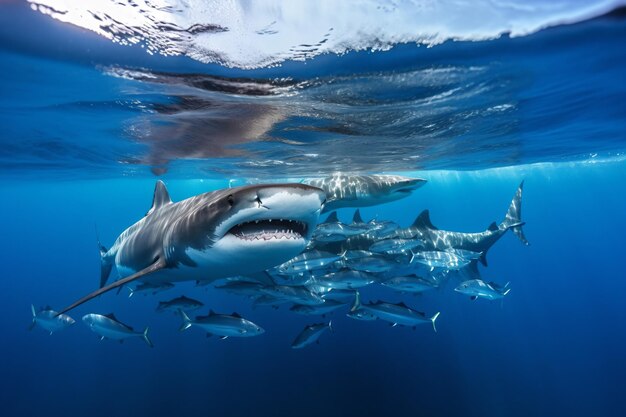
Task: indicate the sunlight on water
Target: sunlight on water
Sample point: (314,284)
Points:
(251,35)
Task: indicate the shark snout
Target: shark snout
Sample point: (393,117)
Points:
(295,198)
(409,185)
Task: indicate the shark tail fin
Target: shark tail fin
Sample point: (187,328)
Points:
(106,262)
(186,321)
(330,326)
(131,291)
(357,301)
(146,338)
(32,325)
(513,218)
(433,319)
(508,290)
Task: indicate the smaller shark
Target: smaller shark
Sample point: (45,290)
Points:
(50,320)
(109,327)
(435,239)
(344,190)
(311,334)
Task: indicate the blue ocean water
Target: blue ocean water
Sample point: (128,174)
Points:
(89,125)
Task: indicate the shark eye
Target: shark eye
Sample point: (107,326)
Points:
(231,199)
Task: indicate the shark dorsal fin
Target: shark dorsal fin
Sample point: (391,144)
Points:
(401,304)
(423,221)
(237,315)
(332,218)
(211,313)
(161,196)
(357,217)
(47,308)
(492,227)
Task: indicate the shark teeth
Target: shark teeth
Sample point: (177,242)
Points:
(269,229)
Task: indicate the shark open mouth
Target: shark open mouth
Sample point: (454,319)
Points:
(268,229)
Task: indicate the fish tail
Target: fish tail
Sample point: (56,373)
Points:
(130,292)
(433,319)
(146,338)
(508,290)
(357,301)
(32,325)
(186,321)
(513,218)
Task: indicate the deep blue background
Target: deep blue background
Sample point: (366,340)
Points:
(554,347)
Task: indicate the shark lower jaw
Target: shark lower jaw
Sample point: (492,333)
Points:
(270,230)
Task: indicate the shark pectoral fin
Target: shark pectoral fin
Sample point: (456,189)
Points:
(101,338)
(473,298)
(157,265)
(223,337)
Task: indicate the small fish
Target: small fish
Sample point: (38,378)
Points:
(317,310)
(333,227)
(395,245)
(477,288)
(394,313)
(328,238)
(308,261)
(345,279)
(361,314)
(311,334)
(465,254)
(146,288)
(410,283)
(382,229)
(50,320)
(299,279)
(296,295)
(109,327)
(222,325)
(248,289)
(269,301)
(331,294)
(179,303)
(440,259)
(373,263)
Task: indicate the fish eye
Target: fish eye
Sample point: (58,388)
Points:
(231,200)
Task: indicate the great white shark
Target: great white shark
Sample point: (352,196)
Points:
(228,232)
